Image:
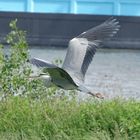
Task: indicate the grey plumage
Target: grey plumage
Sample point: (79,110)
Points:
(80,53)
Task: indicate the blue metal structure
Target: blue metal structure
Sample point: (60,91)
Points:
(98,7)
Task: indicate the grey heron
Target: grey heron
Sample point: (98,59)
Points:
(80,53)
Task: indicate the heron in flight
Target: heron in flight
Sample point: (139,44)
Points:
(80,52)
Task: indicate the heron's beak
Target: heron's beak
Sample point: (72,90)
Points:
(37,76)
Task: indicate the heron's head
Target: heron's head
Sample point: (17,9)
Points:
(40,76)
(44,77)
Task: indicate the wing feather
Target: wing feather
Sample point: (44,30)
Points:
(103,31)
(82,48)
(41,63)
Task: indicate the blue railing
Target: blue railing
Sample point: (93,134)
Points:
(101,7)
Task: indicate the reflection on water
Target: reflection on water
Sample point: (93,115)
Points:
(112,72)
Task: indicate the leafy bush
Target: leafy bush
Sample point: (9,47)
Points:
(15,70)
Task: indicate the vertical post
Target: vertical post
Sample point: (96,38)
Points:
(73,6)
(116,7)
(29,5)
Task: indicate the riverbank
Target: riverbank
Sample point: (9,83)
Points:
(59,119)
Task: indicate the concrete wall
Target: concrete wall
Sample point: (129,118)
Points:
(57,29)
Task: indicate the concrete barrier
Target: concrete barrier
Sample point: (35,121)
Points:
(57,29)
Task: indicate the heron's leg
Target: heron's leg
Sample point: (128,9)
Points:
(84,89)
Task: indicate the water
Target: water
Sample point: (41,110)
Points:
(112,72)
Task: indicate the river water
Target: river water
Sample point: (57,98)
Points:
(113,72)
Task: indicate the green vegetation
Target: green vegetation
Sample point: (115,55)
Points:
(15,69)
(57,119)
(30,111)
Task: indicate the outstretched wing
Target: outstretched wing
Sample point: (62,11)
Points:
(42,63)
(82,48)
(102,31)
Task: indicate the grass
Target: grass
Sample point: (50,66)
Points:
(58,119)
